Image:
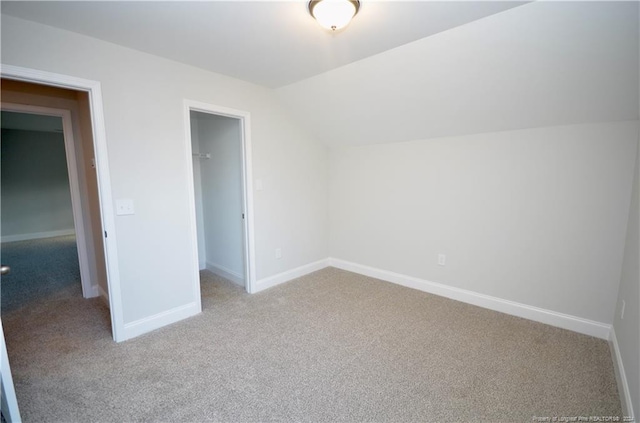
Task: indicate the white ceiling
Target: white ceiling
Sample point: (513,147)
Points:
(270,43)
(543,64)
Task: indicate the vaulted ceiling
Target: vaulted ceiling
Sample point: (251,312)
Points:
(540,64)
(402,70)
(271,43)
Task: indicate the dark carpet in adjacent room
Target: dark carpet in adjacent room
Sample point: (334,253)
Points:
(40,269)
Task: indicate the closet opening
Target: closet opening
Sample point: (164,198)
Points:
(219,154)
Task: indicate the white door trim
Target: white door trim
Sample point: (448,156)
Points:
(9,407)
(94,89)
(89,286)
(247,184)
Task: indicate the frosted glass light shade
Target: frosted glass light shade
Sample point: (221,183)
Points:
(333,14)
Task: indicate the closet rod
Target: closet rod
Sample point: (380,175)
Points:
(202,155)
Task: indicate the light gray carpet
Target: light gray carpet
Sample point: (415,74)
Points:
(331,346)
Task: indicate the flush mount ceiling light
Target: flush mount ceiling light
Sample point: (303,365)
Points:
(333,14)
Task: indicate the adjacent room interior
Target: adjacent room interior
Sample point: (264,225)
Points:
(430,214)
(37,218)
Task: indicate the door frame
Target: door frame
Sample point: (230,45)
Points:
(9,399)
(244,119)
(89,286)
(107,214)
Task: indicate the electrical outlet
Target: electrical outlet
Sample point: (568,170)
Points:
(278,253)
(622,310)
(442,259)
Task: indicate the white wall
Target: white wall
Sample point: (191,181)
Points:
(221,190)
(36,198)
(533,216)
(536,65)
(143,106)
(628,329)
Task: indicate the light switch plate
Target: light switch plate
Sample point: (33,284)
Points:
(124,206)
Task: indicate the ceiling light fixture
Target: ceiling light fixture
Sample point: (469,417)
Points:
(333,14)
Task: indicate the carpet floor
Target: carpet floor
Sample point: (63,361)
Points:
(40,269)
(330,346)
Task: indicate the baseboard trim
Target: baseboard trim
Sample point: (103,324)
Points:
(93,292)
(621,377)
(104,296)
(553,318)
(226,273)
(37,235)
(147,324)
(283,277)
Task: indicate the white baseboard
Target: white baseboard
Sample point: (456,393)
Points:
(37,235)
(290,274)
(104,296)
(93,292)
(621,377)
(147,324)
(226,273)
(553,318)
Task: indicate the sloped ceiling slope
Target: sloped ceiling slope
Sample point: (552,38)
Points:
(541,64)
(270,43)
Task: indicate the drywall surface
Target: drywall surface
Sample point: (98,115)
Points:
(143,98)
(36,197)
(221,182)
(533,216)
(536,65)
(628,328)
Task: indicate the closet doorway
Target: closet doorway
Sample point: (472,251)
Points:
(219,155)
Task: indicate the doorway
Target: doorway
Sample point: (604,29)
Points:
(43,224)
(84,98)
(45,89)
(219,156)
(48,238)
